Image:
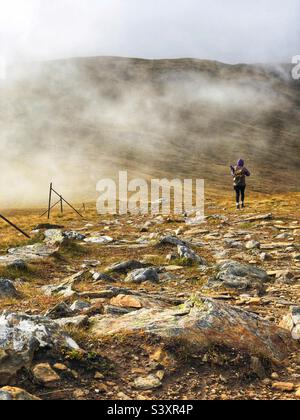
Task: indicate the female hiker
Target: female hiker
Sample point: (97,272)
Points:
(239,174)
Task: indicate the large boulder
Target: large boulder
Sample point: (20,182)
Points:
(204,323)
(22,336)
(243,277)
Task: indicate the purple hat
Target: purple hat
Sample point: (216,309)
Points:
(240,163)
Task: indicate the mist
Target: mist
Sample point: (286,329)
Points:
(73,121)
(231,31)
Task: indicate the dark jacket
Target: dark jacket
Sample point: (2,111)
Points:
(239,174)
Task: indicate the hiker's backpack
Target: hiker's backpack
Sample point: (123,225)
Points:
(239,177)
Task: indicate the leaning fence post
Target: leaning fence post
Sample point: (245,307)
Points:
(61,204)
(50,197)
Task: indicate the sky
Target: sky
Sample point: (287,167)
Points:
(231,31)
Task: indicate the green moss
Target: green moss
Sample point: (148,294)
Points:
(69,249)
(185,262)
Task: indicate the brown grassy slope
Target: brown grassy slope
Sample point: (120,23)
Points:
(186,118)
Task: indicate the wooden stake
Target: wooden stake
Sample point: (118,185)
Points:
(50,198)
(14,226)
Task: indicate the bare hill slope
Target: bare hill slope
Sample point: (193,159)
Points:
(78,120)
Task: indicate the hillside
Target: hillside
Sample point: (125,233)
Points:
(135,308)
(75,121)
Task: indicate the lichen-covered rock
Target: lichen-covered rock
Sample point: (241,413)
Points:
(188,254)
(54,236)
(9,393)
(74,236)
(29,253)
(22,336)
(203,324)
(243,277)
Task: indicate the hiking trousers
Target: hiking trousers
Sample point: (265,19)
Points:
(240,193)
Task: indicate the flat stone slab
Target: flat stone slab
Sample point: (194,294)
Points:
(29,253)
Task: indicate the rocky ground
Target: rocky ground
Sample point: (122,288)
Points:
(134,307)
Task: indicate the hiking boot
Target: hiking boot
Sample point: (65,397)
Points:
(243,205)
(238,207)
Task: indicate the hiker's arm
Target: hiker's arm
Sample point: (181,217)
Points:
(232,170)
(247,173)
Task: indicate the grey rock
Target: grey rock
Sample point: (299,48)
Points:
(232,274)
(172,240)
(204,324)
(101,240)
(7,289)
(126,266)
(19,265)
(253,245)
(103,277)
(74,236)
(66,288)
(188,254)
(22,336)
(54,236)
(284,235)
(291,322)
(231,243)
(265,257)
(61,310)
(142,275)
(76,321)
(80,305)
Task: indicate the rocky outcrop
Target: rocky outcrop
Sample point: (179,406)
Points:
(242,277)
(22,336)
(203,324)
